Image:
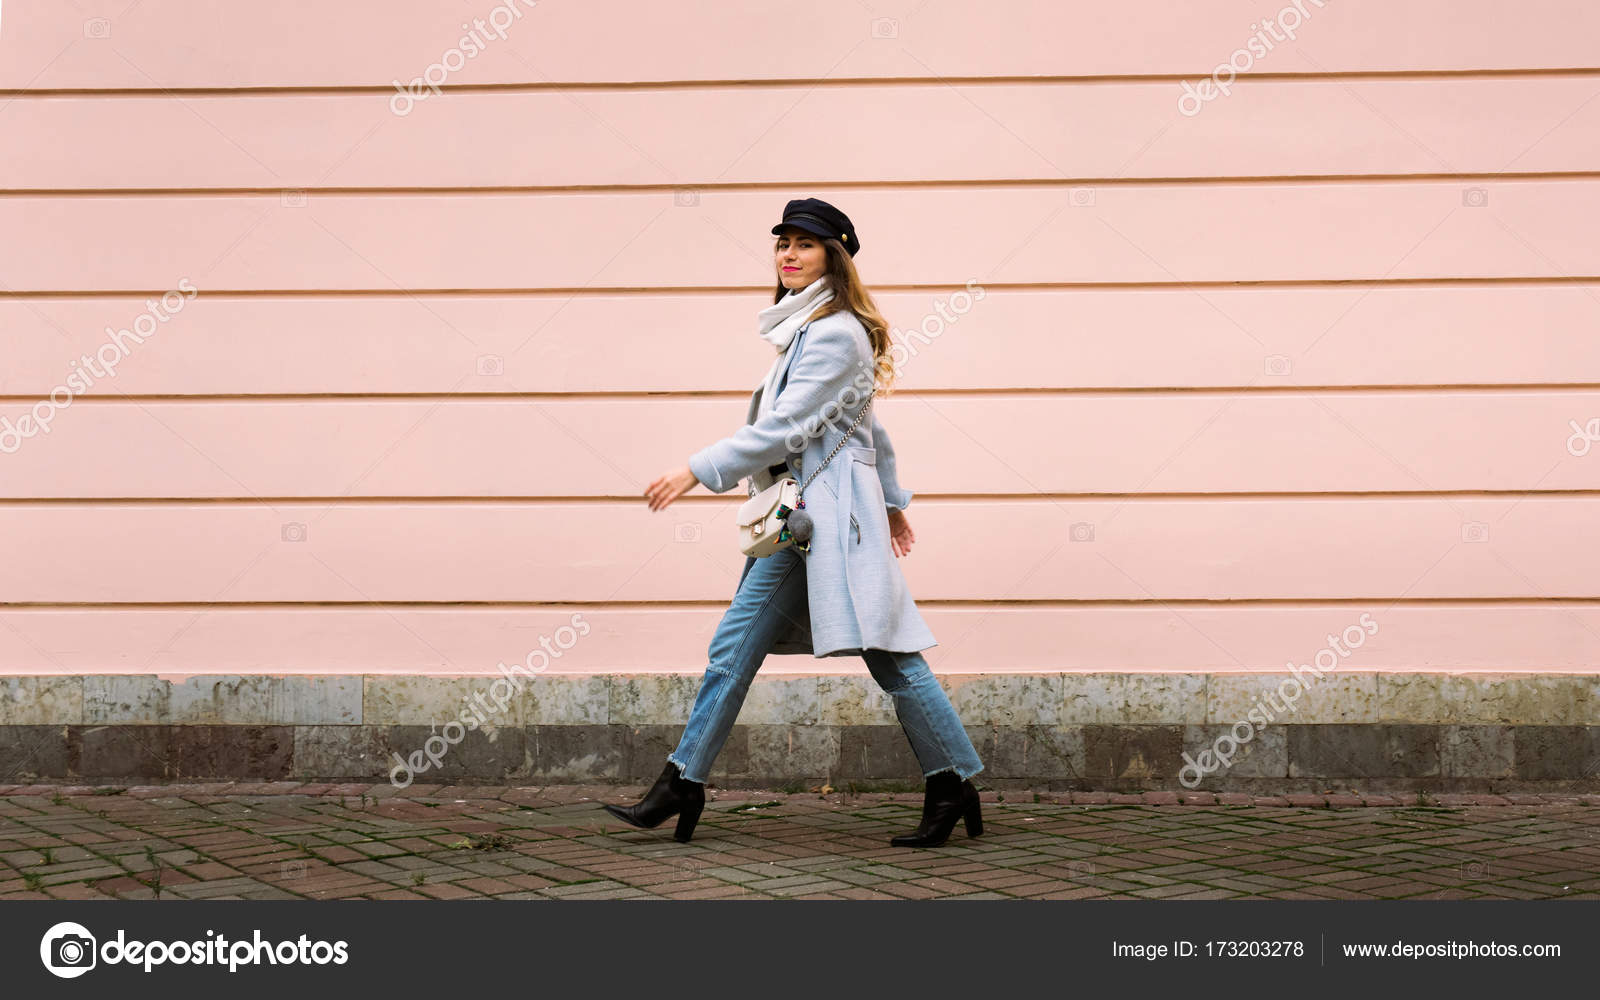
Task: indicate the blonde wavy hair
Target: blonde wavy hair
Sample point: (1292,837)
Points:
(849,294)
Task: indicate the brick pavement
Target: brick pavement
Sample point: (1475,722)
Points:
(289,840)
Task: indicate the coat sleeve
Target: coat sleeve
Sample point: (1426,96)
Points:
(823,371)
(894,496)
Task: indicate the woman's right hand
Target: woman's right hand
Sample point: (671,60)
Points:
(669,486)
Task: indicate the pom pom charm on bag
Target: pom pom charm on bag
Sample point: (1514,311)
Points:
(797,525)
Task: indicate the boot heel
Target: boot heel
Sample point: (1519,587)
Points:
(974,820)
(686,821)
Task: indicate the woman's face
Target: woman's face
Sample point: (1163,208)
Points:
(799,257)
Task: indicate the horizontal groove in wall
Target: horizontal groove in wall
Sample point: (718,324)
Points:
(666,394)
(787,185)
(809,82)
(1435,281)
(8,607)
(922,497)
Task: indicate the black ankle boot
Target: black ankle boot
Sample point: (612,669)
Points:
(947,799)
(670,794)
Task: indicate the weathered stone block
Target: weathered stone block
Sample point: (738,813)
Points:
(33,753)
(651,699)
(1562,752)
(780,701)
(794,752)
(567,700)
(1285,699)
(1490,699)
(1005,699)
(479,754)
(221,700)
(1046,752)
(645,749)
(1131,699)
(1131,753)
(1363,751)
(119,751)
(263,753)
(1477,751)
(577,753)
(876,752)
(854,701)
(344,753)
(1264,755)
(436,701)
(41,701)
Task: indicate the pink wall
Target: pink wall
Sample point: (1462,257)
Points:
(1315,349)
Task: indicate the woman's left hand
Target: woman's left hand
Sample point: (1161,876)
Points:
(900,535)
(670,486)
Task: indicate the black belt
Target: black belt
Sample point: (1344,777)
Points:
(778,471)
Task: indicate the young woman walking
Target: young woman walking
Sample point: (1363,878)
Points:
(844,595)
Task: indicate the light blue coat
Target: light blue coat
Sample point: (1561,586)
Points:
(857,595)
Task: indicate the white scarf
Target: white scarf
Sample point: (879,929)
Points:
(778,323)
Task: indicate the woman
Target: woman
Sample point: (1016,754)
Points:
(844,595)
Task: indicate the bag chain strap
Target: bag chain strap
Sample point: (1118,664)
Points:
(801,492)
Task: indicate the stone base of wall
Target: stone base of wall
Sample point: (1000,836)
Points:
(1059,732)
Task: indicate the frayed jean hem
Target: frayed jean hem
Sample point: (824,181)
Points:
(957,770)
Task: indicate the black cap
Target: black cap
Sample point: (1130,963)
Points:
(820,219)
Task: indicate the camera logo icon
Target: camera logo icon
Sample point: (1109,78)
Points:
(68,950)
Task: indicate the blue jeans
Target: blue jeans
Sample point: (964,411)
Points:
(772,594)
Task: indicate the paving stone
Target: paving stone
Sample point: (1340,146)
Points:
(1516,845)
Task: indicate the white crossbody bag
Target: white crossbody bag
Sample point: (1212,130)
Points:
(775,518)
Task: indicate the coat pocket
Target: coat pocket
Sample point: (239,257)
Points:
(856,525)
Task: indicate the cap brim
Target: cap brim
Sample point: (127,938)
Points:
(806,226)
